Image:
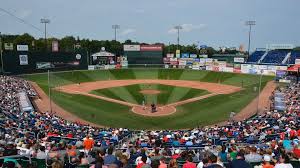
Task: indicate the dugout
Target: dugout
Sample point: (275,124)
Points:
(20,62)
(144,54)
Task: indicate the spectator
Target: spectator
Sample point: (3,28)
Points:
(143,163)
(253,156)
(162,163)
(173,164)
(239,162)
(110,158)
(283,162)
(189,162)
(212,162)
(88,144)
(41,153)
(223,154)
(266,162)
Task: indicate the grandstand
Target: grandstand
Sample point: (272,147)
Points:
(294,55)
(255,56)
(47,139)
(274,55)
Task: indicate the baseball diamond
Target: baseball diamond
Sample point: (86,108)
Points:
(187,98)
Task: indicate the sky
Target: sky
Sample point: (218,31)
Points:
(207,22)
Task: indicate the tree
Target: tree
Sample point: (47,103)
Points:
(24,39)
(67,43)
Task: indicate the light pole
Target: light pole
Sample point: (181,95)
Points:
(115,27)
(45,22)
(178,28)
(259,88)
(250,23)
(49,92)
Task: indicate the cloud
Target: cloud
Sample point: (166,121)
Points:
(24,13)
(187,28)
(127,31)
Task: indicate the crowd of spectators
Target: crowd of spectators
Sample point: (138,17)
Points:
(268,140)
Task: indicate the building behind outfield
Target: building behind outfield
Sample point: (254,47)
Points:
(144,54)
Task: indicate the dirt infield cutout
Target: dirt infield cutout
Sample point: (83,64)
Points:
(213,88)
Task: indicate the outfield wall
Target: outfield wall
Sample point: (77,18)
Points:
(17,62)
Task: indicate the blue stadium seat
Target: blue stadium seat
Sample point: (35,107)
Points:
(254,57)
(294,55)
(275,57)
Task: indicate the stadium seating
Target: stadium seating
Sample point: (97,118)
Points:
(294,55)
(275,57)
(29,130)
(254,57)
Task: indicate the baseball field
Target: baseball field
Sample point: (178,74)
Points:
(121,98)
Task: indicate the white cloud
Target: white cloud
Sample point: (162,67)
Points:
(127,31)
(187,28)
(24,13)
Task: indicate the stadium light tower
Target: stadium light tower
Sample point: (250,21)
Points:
(115,27)
(250,23)
(178,28)
(45,22)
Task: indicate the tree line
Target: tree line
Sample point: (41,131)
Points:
(71,43)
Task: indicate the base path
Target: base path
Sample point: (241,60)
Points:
(255,107)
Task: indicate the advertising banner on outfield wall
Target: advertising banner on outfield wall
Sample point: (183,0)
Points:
(239,59)
(127,47)
(216,68)
(196,67)
(221,63)
(173,61)
(22,47)
(203,56)
(283,68)
(258,69)
(8,46)
(151,47)
(177,53)
(23,59)
(170,55)
(182,62)
(54,46)
(193,56)
(209,68)
(196,60)
(166,60)
(185,55)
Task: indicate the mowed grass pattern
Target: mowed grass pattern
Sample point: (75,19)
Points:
(166,95)
(207,111)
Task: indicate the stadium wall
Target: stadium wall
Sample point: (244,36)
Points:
(19,62)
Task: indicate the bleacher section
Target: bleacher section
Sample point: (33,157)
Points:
(275,57)
(254,57)
(294,55)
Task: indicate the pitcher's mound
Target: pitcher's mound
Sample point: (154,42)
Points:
(161,111)
(150,91)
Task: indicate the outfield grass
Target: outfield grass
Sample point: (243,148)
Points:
(199,113)
(167,95)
